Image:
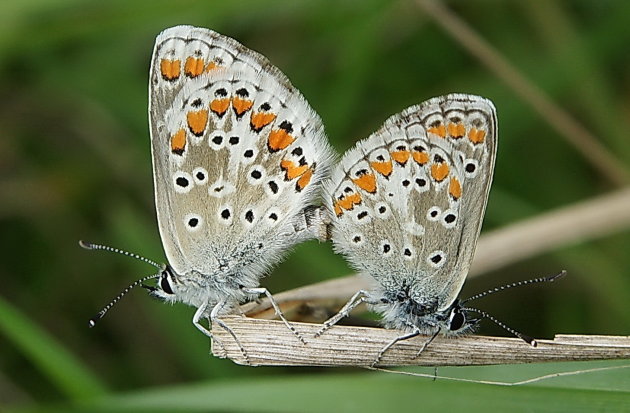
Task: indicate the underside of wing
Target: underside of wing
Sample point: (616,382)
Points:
(237,153)
(407,203)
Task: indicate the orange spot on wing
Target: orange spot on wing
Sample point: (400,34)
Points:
(439,171)
(347,202)
(194,66)
(383,168)
(211,66)
(241,105)
(178,142)
(420,157)
(338,210)
(279,139)
(367,182)
(220,106)
(304,180)
(455,188)
(401,156)
(438,130)
(292,170)
(476,135)
(456,130)
(197,121)
(170,69)
(261,119)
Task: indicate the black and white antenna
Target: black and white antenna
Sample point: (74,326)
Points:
(90,246)
(483,314)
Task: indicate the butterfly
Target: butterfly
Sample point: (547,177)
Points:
(406,207)
(239,157)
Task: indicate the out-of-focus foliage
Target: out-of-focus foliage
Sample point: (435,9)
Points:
(75,163)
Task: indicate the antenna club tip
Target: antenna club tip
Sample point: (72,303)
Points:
(85,244)
(534,343)
(92,322)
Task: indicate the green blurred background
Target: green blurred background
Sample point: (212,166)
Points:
(75,164)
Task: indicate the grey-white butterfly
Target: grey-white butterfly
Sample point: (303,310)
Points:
(406,206)
(238,160)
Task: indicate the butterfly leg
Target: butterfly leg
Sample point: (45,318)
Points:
(262,290)
(404,337)
(197,323)
(426,343)
(358,298)
(214,318)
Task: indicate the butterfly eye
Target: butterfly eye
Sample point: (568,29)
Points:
(457,321)
(166,286)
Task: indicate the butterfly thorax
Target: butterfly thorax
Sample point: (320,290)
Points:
(405,309)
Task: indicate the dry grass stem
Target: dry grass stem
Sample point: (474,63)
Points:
(270,343)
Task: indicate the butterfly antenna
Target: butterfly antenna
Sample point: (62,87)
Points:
(90,246)
(529,340)
(551,278)
(105,309)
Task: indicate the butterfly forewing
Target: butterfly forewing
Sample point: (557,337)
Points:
(237,153)
(407,203)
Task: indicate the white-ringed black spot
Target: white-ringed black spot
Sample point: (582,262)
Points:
(265,106)
(216,140)
(182,182)
(382,209)
(386,248)
(234,140)
(421,182)
(433,214)
(436,259)
(273,216)
(242,92)
(256,174)
(248,153)
(200,175)
(362,214)
(407,252)
(249,216)
(356,239)
(450,218)
(226,214)
(470,167)
(405,183)
(221,92)
(193,222)
(273,186)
